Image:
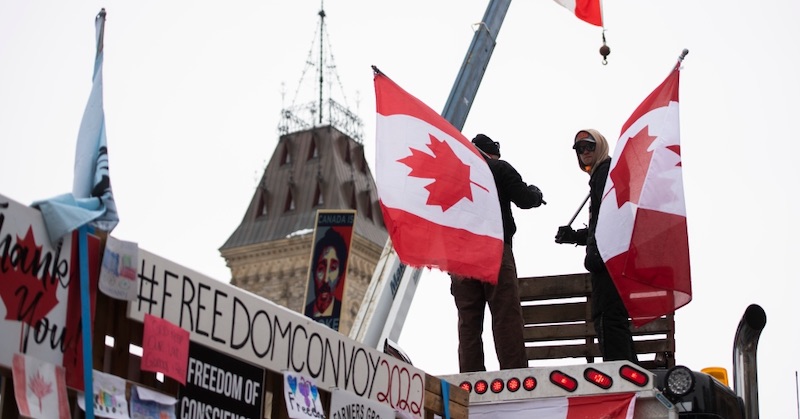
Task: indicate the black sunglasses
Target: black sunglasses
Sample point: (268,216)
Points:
(582,146)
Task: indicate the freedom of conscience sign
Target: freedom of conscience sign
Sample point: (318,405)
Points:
(233,321)
(218,385)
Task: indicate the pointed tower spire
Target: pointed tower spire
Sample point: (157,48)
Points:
(304,111)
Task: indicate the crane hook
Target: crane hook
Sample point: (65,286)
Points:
(605,50)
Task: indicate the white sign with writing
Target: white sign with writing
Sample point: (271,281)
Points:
(302,397)
(34,284)
(239,323)
(118,271)
(346,405)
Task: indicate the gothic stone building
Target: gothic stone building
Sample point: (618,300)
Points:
(270,252)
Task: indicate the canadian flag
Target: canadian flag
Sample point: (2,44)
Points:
(612,406)
(586,10)
(641,228)
(437,194)
(40,388)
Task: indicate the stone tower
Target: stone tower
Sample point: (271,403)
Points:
(317,164)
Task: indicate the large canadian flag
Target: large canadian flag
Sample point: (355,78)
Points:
(641,229)
(437,194)
(612,406)
(588,11)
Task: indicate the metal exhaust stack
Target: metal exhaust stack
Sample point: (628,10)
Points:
(745,373)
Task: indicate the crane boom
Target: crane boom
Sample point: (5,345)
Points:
(391,290)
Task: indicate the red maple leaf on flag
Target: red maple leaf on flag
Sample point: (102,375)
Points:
(27,297)
(451,177)
(629,173)
(677,150)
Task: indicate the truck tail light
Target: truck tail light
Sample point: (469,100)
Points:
(598,378)
(529,383)
(497,385)
(513,384)
(563,380)
(481,386)
(633,375)
(466,385)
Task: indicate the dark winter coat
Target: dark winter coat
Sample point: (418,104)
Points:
(511,188)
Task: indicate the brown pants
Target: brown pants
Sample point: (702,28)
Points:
(471,297)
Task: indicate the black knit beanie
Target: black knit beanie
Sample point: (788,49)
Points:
(487,145)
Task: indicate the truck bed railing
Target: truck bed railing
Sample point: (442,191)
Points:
(558,323)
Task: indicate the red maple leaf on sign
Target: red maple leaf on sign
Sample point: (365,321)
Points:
(40,387)
(634,162)
(450,175)
(27,297)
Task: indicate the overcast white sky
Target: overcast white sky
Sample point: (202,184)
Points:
(193,94)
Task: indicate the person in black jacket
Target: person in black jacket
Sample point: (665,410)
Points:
(471,296)
(608,312)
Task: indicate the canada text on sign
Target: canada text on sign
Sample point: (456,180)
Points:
(236,322)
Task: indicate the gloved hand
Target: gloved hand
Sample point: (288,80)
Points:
(539,200)
(566,235)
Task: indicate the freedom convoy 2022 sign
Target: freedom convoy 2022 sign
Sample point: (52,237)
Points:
(233,321)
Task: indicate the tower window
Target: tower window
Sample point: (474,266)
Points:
(286,156)
(313,151)
(262,207)
(289,202)
(318,198)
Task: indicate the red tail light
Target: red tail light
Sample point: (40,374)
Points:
(529,383)
(598,378)
(466,385)
(633,375)
(513,384)
(497,385)
(481,386)
(563,380)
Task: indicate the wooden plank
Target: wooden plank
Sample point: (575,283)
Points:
(567,312)
(593,350)
(558,286)
(559,332)
(581,330)
(459,399)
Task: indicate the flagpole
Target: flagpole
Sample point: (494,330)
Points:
(86,325)
(571,220)
(83,255)
(681,57)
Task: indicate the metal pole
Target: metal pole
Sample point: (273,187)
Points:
(574,216)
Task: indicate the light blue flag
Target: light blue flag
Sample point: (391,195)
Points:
(91,200)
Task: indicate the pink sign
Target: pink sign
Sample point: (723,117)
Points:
(165,348)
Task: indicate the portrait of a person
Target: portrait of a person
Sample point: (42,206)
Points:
(329,266)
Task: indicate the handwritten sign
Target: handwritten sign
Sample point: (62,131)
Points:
(40,310)
(118,272)
(109,396)
(256,330)
(302,397)
(165,348)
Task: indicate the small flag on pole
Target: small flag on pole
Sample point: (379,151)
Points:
(91,200)
(589,11)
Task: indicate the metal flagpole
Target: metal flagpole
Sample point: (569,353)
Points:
(574,216)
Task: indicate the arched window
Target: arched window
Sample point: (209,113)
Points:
(313,150)
(289,202)
(286,156)
(319,200)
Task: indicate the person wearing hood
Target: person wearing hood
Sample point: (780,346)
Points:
(471,296)
(609,314)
